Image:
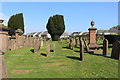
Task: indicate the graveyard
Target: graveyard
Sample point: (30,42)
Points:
(63,63)
(59,40)
(72,57)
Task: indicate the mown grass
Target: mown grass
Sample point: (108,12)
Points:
(63,63)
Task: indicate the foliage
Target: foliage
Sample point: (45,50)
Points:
(76,36)
(56,26)
(112,38)
(15,22)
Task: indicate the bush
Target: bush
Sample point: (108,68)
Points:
(56,26)
(112,38)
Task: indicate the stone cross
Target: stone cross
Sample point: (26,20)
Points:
(105,47)
(116,50)
(81,50)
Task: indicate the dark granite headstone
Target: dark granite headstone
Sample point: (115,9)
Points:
(105,47)
(116,50)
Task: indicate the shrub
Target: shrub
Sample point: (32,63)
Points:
(112,38)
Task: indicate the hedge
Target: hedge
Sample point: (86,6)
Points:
(112,38)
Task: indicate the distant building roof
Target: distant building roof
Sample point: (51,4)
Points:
(85,33)
(76,33)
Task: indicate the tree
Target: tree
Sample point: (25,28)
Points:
(56,26)
(15,22)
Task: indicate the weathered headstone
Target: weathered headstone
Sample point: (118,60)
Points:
(81,50)
(13,43)
(41,42)
(105,47)
(72,43)
(76,42)
(48,48)
(116,50)
(86,46)
(36,46)
(54,47)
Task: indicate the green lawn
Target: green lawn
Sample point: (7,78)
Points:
(64,63)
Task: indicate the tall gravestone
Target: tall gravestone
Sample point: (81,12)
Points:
(36,46)
(48,48)
(70,43)
(116,50)
(18,34)
(105,47)
(13,43)
(3,36)
(92,35)
(81,50)
(76,42)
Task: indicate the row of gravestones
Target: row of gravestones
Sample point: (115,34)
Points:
(21,42)
(115,49)
(73,42)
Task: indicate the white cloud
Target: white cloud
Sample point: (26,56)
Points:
(4,17)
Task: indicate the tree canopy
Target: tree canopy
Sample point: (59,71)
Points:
(15,22)
(56,26)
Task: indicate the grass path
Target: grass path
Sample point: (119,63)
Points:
(64,63)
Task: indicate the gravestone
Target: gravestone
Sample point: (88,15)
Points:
(36,46)
(54,47)
(48,48)
(41,42)
(86,46)
(105,47)
(70,43)
(76,42)
(13,43)
(81,50)
(116,50)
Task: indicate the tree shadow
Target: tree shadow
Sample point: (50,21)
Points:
(32,50)
(73,57)
(43,54)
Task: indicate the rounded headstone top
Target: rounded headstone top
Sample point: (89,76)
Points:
(92,23)
(1,20)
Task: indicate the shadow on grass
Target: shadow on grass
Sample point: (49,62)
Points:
(43,54)
(76,51)
(66,47)
(52,51)
(32,50)
(73,57)
(92,53)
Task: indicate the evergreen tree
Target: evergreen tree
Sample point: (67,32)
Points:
(56,26)
(16,22)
